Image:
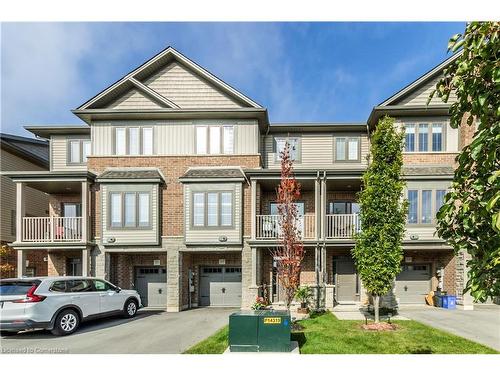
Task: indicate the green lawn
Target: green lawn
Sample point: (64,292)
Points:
(325,334)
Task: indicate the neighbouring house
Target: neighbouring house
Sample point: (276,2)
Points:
(169,188)
(21,154)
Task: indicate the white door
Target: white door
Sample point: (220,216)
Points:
(413,283)
(220,286)
(109,298)
(82,294)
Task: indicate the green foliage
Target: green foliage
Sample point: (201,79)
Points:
(215,344)
(378,251)
(470,218)
(304,294)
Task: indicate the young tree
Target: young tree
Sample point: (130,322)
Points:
(469,220)
(378,251)
(290,251)
(5,268)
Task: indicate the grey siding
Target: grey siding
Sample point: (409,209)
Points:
(176,137)
(37,202)
(149,236)
(187,90)
(211,236)
(317,151)
(59,154)
(421,95)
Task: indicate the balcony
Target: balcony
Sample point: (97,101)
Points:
(268,227)
(338,226)
(52,229)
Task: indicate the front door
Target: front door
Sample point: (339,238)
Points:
(74,267)
(300,214)
(346,279)
(151,284)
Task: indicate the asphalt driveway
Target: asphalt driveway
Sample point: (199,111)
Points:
(481,325)
(149,332)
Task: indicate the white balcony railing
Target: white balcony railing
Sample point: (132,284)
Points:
(342,225)
(52,229)
(268,227)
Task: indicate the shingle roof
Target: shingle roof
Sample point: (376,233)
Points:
(29,147)
(213,173)
(428,171)
(125,174)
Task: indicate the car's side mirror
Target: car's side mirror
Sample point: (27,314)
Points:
(118,289)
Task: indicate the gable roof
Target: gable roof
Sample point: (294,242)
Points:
(408,89)
(133,80)
(35,150)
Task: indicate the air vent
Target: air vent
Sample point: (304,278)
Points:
(222,238)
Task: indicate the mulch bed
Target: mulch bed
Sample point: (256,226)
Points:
(380,327)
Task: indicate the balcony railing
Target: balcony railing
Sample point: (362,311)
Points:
(342,225)
(268,227)
(52,229)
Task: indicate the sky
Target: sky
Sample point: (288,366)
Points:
(301,72)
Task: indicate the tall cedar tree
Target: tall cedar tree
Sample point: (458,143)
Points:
(290,251)
(378,251)
(469,219)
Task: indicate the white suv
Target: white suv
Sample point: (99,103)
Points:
(60,304)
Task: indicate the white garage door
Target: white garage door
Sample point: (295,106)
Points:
(151,284)
(220,286)
(413,283)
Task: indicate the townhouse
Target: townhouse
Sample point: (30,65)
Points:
(169,188)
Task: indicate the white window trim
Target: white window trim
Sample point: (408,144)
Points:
(222,140)
(127,140)
(123,225)
(430,124)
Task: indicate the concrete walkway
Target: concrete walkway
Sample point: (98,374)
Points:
(150,332)
(481,325)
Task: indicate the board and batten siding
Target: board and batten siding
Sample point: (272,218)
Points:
(148,236)
(176,137)
(211,236)
(59,153)
(317,151)
(451,136)
(186,89)
(421,95)
(37,202)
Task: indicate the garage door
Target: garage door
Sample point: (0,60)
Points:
(413,283)
(151,283)
(220,286)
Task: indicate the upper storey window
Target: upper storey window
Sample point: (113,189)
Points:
(133,141)
(214,140)
(347,149)
(295,147)
(78,151)
(424,137)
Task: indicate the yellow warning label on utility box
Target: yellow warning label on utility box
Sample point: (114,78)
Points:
(272,320)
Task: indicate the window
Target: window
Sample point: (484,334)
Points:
(212,209)
(439,199)
(294,144)
(347,149)
(134,141)
(78,286)
(103,286)
(343,207)
(426,206)
(413,206)
(424,137)
(130,209)
(58,286)
(214,140)
(410,138)
(78,151)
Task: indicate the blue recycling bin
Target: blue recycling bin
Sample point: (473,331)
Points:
(449,302)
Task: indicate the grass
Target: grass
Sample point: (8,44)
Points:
(325,334)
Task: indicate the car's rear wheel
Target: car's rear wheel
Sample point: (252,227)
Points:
(130,308)
(66,323)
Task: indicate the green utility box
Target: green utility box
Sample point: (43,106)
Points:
(259,331)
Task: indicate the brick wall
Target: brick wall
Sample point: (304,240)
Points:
(56,265)
(268,197)
(172,168)
(56,201)
(466,133)
(122,267)
(441,158)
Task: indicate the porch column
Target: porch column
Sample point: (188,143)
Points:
(20,210)
(253,205)
(173,280)
(323,206)
(85,214)
(21,263)
(85,262)
(317,210)
(254,267)
(317,269)
(466,301)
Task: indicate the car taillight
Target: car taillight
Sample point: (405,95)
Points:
(31,296)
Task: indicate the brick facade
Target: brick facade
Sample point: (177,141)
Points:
(57,261)
(122,266)
(36,261)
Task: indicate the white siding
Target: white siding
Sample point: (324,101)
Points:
(176,137)
(197,236)
(421,95)
(133,99)
(187,90)
(317,151)
(59,154)
(130,236)
(37,202)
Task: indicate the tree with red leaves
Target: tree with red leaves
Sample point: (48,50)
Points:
(289,254)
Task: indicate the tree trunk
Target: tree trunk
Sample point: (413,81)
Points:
(376,300)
